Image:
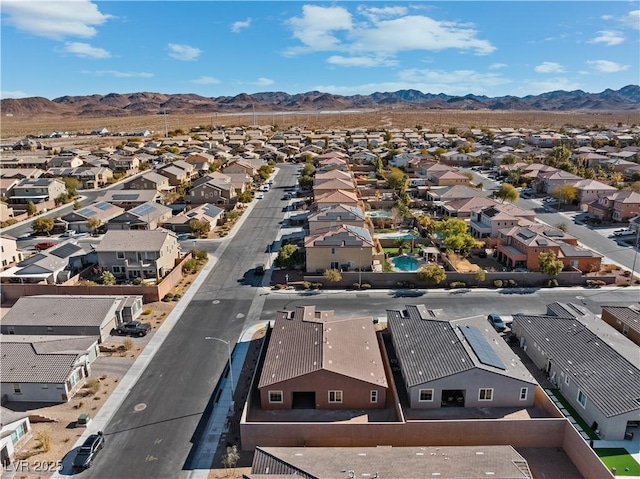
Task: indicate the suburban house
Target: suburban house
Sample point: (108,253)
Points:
(451,193)
(461,363)
(36,190)
(323,186)
(15,429)
(521,246)
(178,173)
(44,369)
(241,166)
(61,315)
(90,177)
(89,218)
(147,216)
(486,223)
(52,266)
(624,319)
(65,161)
(127,165)
(547,182)
(315,360)
(337,215)
(595,368)
(181,223)
(339,197)
(240,181)
(149,180)
(138,253)
(210,190)
(9,250)
(618,207)
(463,208)
(591,190)
(497,462)
(343,247)
(333,174)
(127,199)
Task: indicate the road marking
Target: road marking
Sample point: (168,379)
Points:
(150,458)
(215,301)
(140,407)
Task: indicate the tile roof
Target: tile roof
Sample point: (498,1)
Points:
(52,344)
(132,240)
(306,340)
(20,363)
(429,348)
(49,310)
(340,236)
(593,361)
(445,462)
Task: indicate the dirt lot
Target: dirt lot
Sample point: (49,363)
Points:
(118,354)
(436,120)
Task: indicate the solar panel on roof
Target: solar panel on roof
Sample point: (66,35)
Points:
(103,205)
(481,347)
(86,212)
(143,209)
(65,250)
(124,197)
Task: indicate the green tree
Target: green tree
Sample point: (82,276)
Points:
(231,458)
(108,278)
(200,228)
(635,186)
(549,264)
(454,234)
(42,225)
(308,169)
(245,197)
(566,193)
(481,275)
(397,179)
(332,275)
(557,155)
(93,224)
(507,192)
(305,181)
(31,208)
(288,256)
(432,273)
(72,185)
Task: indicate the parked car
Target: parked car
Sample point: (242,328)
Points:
(260,196)
(259,269)
(623,232)
(45,245)
(497,322)
(135,328)
(88,451)
(184,236)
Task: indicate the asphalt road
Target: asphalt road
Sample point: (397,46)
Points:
(153,433)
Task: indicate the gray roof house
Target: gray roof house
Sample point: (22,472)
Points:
(596,368)
(336,215)
(459,363)
(128,199)
(78,220)
(15,429)
(147,216)
(138,253)
(89,315)
(44,369)
(444,462)
(205,212)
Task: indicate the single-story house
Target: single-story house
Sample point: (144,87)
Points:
(15,429)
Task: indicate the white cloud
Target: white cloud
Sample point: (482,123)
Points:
(13,94)
(549,67)
(85,50)
(54,19)
(361,61)
(632,19)
(119,74)
(237,26)
(375,13)
(497,66)
(262,81)
(608,37)
(606,66)
(545,86)
(205,81)
(183,52)
(379,33)
(314,29)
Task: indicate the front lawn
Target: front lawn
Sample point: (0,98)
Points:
(574,414)
(619,458)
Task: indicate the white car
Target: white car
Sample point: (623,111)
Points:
(623,232)
(259,196)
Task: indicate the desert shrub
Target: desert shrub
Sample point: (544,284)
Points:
(355,285)
(457,284)
(199,254)
(306,284)
(611,267)
(92,386)
(280,286)
(127,344)
(44,440)
(137,281)
(512,283)
(497,283)
(317,285)
(147,312)
(598,282)
(177,296)
(626,274)
(190,265)
(167,297)
(365,286)
(551,283)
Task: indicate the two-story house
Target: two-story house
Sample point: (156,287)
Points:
(149,180)
(147,216)
(211,190)
(342,247)
(36,190)
(138,253)
(618,207)
(486,223)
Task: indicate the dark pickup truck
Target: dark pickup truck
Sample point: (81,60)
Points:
(134,328)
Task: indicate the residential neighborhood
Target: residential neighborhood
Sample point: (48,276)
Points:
(349,260)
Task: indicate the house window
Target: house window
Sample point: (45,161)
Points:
(426,395)
(12,330)
(485,394)
(334,250)
(116,269)
(374,395)
(16,388)
(582,398)
(45,386)
(625,329)
(523,394)
(20,431)
(120,254)
(275,397)
(335,265)
(335,396)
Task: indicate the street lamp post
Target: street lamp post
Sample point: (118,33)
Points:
(636,246)
(230,365)
(360,268)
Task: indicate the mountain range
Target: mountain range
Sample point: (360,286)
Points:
(146,103)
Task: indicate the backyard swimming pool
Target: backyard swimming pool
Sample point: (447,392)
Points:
(404,263)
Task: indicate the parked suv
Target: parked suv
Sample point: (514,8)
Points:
(45,245)
(87,453)
(135,328)
(497,322)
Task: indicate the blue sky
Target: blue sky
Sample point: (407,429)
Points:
(213,48)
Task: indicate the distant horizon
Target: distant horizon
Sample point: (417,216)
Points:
(225,48)
(305,92)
